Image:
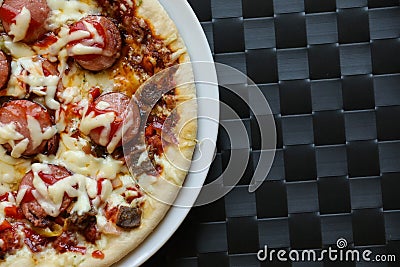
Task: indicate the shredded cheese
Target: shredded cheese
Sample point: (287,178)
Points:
(104,135)
(96,38)
(17,50)
(75,186)
(36,132)
(64,11)
(91,121)
(79,162)
(21,25)
(29,71)
(80,49)
(8,135)
(20,148)
(102,105)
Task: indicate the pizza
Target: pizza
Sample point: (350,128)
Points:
(92,118)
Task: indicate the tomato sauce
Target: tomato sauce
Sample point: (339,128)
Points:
(4,197)
(114,126)
(100,186)
(14,212)
(47,40)
(34,241)
(5,225)
(97,254)
(67,242)
(11,241)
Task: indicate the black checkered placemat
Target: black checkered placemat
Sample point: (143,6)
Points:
(331,73)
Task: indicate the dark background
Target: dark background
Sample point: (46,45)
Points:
(331,73)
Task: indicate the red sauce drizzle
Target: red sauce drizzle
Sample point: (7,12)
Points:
(97,254)
(5,225)
(4,197)
(67,242)
(111,213)
(129,199)
(28,197)
(49,179)
(95,92)
(14,212)
(7,15)
(34,241)
(47,40)
(81,26)
(114,126)
(100,186)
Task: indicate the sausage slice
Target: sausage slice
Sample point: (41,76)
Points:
(121,105)
(101,48)
(31,209)
(28,117)
(38,11)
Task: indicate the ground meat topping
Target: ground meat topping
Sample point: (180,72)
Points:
(129,217)
(10,242)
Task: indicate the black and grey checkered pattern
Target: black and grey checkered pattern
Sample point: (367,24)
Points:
(331,73)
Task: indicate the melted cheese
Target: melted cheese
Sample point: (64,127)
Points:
(28,71)
(20,148)
(115,139)
(80,49)
(36,132)
(96,38)
(71,156)
(8,135)
(66,185)
(11,169)
(102,105)
(21,25)
(105,134)
(130,3)
(91,121)
(17,50)
(76,186)
(88,48)
(57,50)
(41,193)
(4,204)
(79,162)
(63,38)
(21,193)
(106,189)
(60,120)
(64,11)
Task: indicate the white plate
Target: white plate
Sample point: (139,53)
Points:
(199,50)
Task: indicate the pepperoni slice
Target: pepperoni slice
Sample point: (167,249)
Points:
(29,205)
(19,112)
(39,12)
(104,35)
(121,105)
